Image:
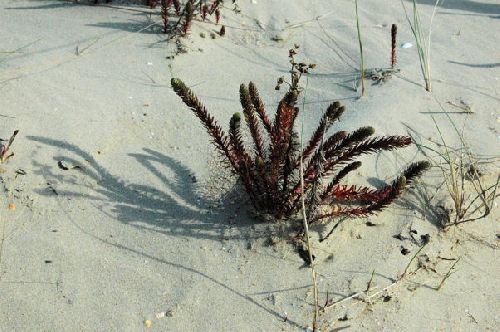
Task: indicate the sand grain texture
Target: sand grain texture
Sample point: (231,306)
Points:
(138,232)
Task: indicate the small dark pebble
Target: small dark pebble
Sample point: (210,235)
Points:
(304,254)
(370,224)
(399,237)
(54,231)
(48,261)
(62,165)
(405,251)
(343,318)
(413,231)
(425,238)
(52,188)
(387,298)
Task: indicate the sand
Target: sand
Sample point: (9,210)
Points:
(147,227)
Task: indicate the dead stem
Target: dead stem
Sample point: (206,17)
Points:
(309,250)
(447,275)
(383,290)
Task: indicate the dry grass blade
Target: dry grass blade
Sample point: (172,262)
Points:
(363,88)
(448,274)
(423,44)
(309,250)
(463,178)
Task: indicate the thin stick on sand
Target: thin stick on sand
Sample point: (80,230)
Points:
(306,230)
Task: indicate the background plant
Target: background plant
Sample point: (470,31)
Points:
(270,174)
(182,13)
(177,15)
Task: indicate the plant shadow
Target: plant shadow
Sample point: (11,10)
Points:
(143,27)
(476,65)
(466,5)
(422,200)
(175,209)
(56,4)
(42,6)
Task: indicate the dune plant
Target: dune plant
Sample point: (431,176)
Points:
(472,196)
(423,43)
(270,174)
(5,148)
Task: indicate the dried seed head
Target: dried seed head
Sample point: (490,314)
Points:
(294,94)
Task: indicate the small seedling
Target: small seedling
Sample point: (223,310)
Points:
(5,148)
(394,33)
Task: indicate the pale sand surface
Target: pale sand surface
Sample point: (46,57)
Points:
(139,229)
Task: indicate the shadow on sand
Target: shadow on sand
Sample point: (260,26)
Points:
(175,210)
(178,209)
